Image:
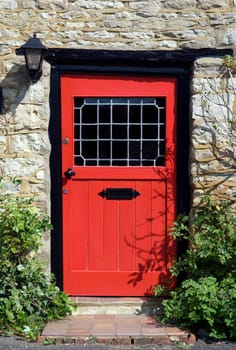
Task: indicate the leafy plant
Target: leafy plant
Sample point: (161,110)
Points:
(28,296)
(206,300)
(230,62)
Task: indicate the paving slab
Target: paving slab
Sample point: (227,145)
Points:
(115,329)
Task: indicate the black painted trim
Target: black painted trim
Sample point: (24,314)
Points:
(56,181)
(156,63)
(130,58)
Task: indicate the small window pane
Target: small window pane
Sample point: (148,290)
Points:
(104,150)
(89,114)
(160,161)
(150,114)
(78,102)
(104,114)
(104,132)
(77,132)
(134,162)
(104,163)
(79,161)
(77,115)
(119,101)
(134,150)
(160,102)
(119,162)
(89,149)
(134,114)
(77,147)
(89,132)
(119,150)
(147,163)
(91,162)
(134,132)
(119,114)
(162,116)
(119,132)
(150,131)
(162,132)
(92,101)
(162,148)
(149,150)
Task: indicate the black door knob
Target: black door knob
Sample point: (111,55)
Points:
(69,173)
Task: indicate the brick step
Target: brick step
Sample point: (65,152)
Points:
(117,306)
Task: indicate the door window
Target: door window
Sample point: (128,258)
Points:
(119,131)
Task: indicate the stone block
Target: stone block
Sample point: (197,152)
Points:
(3,144)
(188,34)
(67,36)
(213,4)
(222,19)
(8,4)
(153,5)
(74,14)
(30,117)
(5,50)
(99,5)
(57,4)
(74,26)
(30,143)
(9,33)
(127,15)
(205,85)
(98,35)
(27,4)
(169,44)
(34,94)
(201,43)
(21,167)
(48,15)
(151,24)
(137,35)
(117,24)
(226,36)
(207,155)
(179,5)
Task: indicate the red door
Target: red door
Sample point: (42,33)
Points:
(118,164)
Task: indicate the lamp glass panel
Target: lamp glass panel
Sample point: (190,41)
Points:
(33,58)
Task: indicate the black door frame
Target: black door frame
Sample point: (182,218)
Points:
(176,64)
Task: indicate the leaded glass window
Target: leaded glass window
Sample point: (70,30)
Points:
(119,131)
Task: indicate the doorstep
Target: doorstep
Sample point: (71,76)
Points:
(113,329)
(117,306)
(134,328)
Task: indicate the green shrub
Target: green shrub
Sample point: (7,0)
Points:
(206,299)
(28,296)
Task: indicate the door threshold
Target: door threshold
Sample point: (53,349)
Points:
(149,306)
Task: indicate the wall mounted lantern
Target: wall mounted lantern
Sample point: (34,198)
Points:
(33,50)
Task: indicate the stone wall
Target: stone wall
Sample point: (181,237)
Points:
(213,130)
(106,24)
